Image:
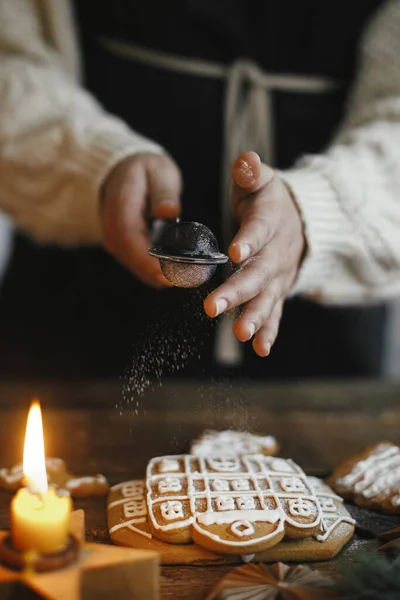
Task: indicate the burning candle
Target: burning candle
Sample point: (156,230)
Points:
(39,517)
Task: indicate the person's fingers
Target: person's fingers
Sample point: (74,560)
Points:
(164,183)
(246,283)
(259,226)
(257,312)
(266,336)
(125,227)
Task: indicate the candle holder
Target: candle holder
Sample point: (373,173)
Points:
(39,563)
(81,571)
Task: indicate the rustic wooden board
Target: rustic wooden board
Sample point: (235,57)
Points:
(317,424)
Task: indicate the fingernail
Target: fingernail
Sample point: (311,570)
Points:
(167,206)
(220,306)
(267,348)
(244,251)
(251,329)
(245,174)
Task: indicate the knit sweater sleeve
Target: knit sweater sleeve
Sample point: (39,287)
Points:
(349,197)
(57,144)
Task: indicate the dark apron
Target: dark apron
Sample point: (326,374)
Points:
(78,313)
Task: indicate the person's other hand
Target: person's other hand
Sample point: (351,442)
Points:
(269,247)
(138,188)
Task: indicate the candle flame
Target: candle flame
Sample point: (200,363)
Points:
(34,458)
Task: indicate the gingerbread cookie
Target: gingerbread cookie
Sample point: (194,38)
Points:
(58,475)
(229,505)
(128,526)
(371,478)
(233,443)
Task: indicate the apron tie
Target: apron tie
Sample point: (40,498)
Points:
(248,126)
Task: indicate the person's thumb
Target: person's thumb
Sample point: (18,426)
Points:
(164,187)
(249,173)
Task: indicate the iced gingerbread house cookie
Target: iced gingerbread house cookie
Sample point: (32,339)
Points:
(206,509)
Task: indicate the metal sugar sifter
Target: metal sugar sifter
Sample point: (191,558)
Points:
(188,254)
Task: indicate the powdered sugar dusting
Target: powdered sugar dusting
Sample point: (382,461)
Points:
(167,349)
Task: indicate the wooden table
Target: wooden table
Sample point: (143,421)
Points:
(89,426)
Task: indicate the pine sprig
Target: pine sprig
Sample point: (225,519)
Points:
(373,576)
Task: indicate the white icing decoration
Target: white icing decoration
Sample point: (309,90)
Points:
(292,484)
(12,476)
(246,558)
(73,484)
(135,507)
(16,473)
(242,528)
(169,465)
(237,545)
(263,516)
(220,485)
(117,502)
(280,465)
(127,525)
(225,503)
(223,464)
(325,497)
(131,525)
(132,488)
(172,509)
(377,474)
(300,508)
(232,443)
(199,482)
(383,483)
(209,517)
(245,503)
(169,484)
(240,485)
(55,464)
(137,530)
(322,537)
(328,505)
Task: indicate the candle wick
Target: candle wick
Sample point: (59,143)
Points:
(35,492)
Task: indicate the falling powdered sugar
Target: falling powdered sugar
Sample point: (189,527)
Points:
(168,347)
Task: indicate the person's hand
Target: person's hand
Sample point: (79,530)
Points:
(269,247)
(139,187)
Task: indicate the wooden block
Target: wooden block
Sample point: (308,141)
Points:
(18,591)
(129,576)
(101,571)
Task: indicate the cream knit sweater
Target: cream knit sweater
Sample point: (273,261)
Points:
(57,145)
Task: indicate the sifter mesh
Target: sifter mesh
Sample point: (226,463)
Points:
(186,275)
(188,254)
